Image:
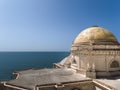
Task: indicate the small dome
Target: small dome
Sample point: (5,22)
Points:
(95,35)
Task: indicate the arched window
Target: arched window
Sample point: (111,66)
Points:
(114,64)
(74,62)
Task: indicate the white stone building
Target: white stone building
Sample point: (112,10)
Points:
(95,53)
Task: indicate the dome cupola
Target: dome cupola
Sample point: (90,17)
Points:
(95,35)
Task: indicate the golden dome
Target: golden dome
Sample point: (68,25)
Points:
(95,35)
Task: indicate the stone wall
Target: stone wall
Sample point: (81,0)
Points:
(85,85)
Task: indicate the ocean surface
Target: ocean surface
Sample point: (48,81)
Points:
(16,61)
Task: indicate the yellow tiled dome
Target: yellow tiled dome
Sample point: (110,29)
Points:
(95,35)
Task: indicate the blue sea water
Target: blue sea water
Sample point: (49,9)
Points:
(16,61)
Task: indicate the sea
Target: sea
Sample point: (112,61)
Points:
(17,61)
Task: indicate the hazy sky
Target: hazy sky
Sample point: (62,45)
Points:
(52,25)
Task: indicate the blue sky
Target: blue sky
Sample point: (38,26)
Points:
(52,25)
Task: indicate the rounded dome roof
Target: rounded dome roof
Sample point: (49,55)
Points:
(95,35)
